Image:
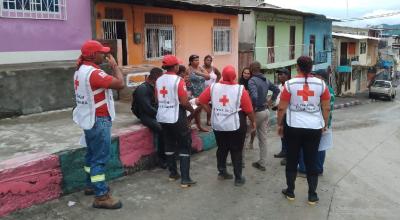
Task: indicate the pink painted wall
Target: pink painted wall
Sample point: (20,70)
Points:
(47,35)
(35,180)
(134,144)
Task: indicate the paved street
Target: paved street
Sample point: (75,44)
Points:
(361,181)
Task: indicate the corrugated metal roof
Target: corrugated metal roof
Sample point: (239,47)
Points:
(353,36)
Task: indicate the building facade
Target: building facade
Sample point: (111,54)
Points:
(318,41)
(43,30)
(148,32)
(354,63)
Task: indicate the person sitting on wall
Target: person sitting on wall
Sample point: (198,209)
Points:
(144,106)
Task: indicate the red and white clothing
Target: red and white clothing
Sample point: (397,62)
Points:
(92,94)
(169,87)
(304,110)
(213,78)
(227,100)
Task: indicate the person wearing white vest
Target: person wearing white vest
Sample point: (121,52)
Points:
(94,112)
(230,105)
(172,106)
(305,99)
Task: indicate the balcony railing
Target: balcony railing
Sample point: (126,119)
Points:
(279,54)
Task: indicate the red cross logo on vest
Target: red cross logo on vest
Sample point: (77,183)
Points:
(163,92)
(306,92)
(76,83)
(224,100)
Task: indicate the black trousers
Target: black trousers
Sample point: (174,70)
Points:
(231,142)
(177,137)
(307,140)
(157,130)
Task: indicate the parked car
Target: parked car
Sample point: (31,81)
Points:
(382,88)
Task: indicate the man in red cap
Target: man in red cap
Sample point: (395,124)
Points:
(172,106)
(93,113)
(230,104)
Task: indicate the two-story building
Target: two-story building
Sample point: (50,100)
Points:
(355,57)
(318,42)
(273,36)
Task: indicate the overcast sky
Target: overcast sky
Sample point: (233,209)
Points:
(356,8)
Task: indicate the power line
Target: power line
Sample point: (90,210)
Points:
(372,17)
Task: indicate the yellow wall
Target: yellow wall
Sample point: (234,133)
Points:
(193,33)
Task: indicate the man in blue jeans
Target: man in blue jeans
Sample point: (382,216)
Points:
(93,113)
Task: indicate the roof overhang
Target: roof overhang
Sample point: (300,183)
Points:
(275,9)
(354,36)
(184,5)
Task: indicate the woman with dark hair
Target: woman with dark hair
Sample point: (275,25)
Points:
(215,76)
(244,78)
(305,99)
(197,76)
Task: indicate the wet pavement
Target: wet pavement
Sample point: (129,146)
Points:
(360,181)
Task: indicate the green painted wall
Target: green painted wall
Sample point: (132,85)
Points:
(282,25)
(72,162)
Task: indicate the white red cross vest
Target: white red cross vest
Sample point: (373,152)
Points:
(304,110)
(225,100)
(168,100)
(85,112)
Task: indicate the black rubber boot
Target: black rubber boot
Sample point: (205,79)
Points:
(186,181)
(172,167)
(312,187)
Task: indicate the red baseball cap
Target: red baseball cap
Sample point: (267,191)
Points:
(170,60)
(91,47)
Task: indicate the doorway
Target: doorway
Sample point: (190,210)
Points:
(116,29)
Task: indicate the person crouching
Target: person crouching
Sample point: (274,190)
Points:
(230,105)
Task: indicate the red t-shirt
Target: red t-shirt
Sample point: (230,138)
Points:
(285,95)
(245,101)
(100,79)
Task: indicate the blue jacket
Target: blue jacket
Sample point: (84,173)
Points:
(258,89)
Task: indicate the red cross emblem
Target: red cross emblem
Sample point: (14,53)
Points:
(76,83)
(163,92)
(306,92)
(224,100)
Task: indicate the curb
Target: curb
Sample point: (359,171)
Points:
(37,178)
(347,104)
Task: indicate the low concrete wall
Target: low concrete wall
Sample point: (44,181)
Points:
(34,88)
(37,178)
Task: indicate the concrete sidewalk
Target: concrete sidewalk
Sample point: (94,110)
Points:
(50,132)
(40,158)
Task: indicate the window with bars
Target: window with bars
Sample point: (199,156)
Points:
(159,35)
(160,41)
(222,40)
(34,9)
